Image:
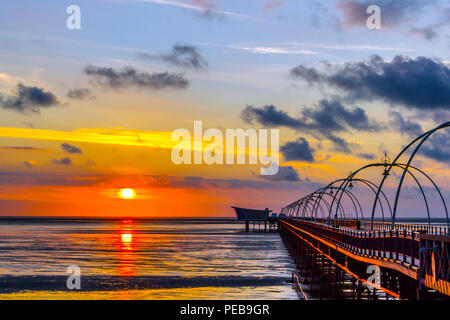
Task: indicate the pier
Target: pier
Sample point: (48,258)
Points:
(334,260)
(345,251)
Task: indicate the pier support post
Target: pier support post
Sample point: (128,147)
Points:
(247,227)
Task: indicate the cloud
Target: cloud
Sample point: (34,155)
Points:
(70,148)
(27,178)
(393,12)
(420,83)
(80,94)
(130,77)
(339,144)
(367,156)
(149,139)
(311,75)
(206,9)
(437,147)
(28,99)
(298,150)
(332,115)
(270,5)
(324,120)
(274,49)
(62,161)
(321,16)
(29,163)
(186,56)
(269,116)
(438,116)
(285,173)
(14,148)
(431,32)
(31,178)
(428,33)
(406,127)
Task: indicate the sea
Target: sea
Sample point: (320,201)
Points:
(74,258)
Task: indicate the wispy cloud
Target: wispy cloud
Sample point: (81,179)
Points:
(62,161)
(356,47)
(202,9)
(14,148)
(186,56)
(307,48)
(28,99)
(131,77)
(100,136)
(273,50)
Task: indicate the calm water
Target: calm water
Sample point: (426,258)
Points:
(142,259)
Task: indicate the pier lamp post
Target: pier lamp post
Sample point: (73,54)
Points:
(386,162)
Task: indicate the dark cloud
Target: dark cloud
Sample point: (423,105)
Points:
(420,83)
(324,120)
(438,116)
(437,147)
(209,10)
(63,161)
(29,178)
(298,150)
(130,77)
(269,116)
(28,99)
(28,164)
(431,32)
(334,116)
(285,173)
(393,12)
(328,116)
(404,126)
(185,56)
(428,33)
(367,156)
(80,94)
(311,75)
(14,148)
(339,144)
(413,192)
(70,148)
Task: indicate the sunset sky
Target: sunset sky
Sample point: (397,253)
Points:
(84,113)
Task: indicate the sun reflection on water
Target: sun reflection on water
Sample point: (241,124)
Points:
(127,246)
(127,238)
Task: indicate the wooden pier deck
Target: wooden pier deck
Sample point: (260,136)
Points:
(334,261)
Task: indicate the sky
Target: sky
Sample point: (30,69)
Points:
(86,112)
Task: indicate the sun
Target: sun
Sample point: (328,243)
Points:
(127,193)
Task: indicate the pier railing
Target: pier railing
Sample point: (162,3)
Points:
(385,225)
(425,254)
(399,245)
(430,229)
(434,262)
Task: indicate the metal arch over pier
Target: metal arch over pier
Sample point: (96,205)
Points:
(329,240)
